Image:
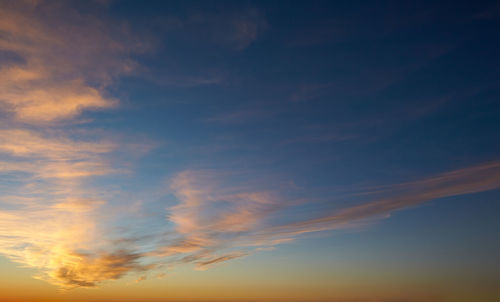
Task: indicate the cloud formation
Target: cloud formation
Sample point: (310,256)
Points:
(63,62)
(213,217)
(203,264)
(56,63)
(60,63)
(49,217)
(52,221)
(52,158)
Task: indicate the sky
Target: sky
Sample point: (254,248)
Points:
(283,151)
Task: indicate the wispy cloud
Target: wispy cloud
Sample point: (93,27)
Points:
(217,219)
(235,30)
(211,217)
(67,59)
(62,62)
(203,264)
(53,158)
(48,237)
(463,181)
(49,217)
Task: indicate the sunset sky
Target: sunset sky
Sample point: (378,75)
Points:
(249,151)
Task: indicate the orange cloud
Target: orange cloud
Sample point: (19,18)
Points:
(215,220)
(52,217)
(64,62)
(88,270)
(48,157)
(231,218)
(199,194)
(68,59)
(45,237)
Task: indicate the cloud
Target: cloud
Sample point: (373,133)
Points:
(236,30)
(219,215)
(141,278)
(469,180)
(210,213)
(87,270)
(47,237)
(208,210)
(49,218)
(203,264)
(52,157)
(60,63)
(67,59)
(22,142)
(205,206)
(213,215)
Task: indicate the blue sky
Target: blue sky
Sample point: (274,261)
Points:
(339,141)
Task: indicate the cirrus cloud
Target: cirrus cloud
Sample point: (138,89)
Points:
(66,59)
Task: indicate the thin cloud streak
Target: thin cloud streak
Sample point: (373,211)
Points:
(203,264)
(469,180)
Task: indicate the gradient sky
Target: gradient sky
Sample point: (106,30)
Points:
(341,151)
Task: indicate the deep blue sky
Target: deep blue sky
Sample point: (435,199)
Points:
(367,90)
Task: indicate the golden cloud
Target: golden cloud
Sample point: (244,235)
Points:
(67,59)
